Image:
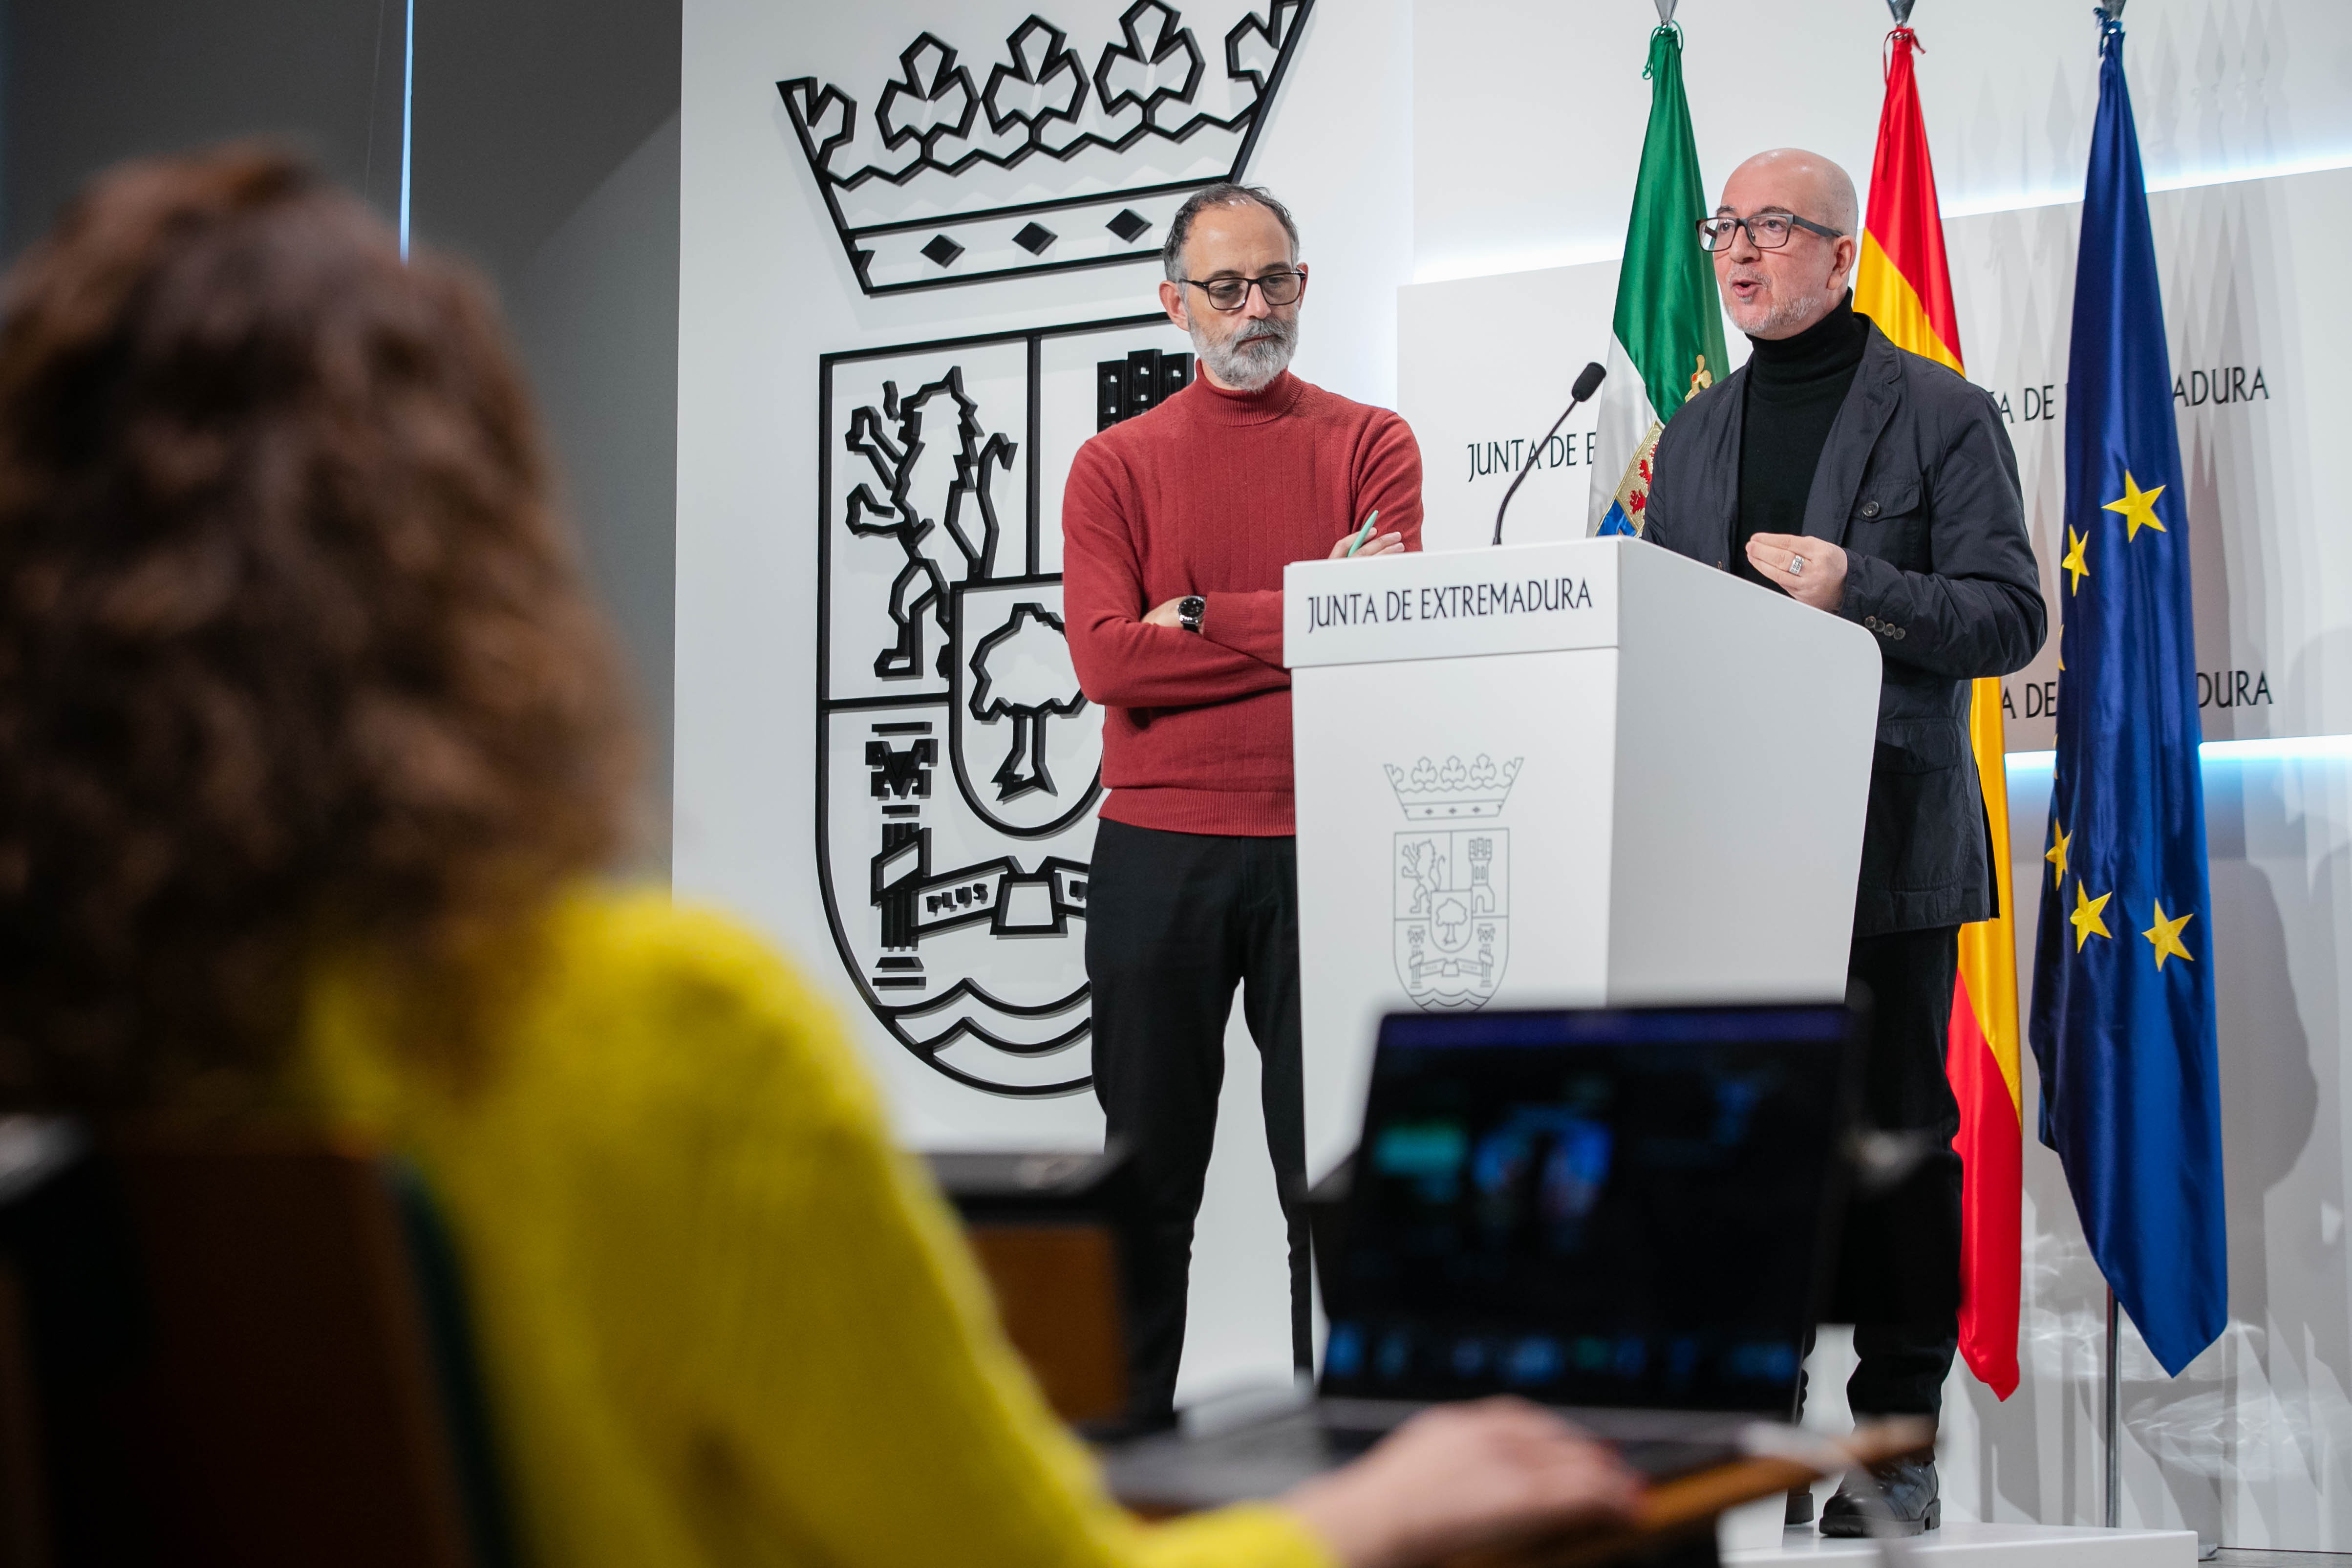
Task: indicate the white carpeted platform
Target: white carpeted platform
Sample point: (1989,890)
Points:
(1986,1546)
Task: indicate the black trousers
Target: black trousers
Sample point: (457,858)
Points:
(1175,921)
(1899,1257)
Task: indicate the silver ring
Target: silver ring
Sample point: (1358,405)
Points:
(1796,565)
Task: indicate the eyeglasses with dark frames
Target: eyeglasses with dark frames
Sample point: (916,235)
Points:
(1281,287)
(1766,231)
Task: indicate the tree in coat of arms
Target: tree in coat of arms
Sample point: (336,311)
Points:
(959,764)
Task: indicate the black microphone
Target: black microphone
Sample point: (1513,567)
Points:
(1586,385)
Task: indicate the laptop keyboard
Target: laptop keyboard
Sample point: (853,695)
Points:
(1653,1458)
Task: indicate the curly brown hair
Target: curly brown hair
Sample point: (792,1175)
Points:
(294,652)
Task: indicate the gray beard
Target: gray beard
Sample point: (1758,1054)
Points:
(1777,320)
(1250,368)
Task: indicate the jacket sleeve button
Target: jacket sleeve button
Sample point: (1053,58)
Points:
(1896,634)
(1870,621)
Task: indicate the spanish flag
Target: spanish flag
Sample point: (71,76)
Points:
(1905,286)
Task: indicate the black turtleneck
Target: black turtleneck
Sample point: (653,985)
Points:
(1795,386)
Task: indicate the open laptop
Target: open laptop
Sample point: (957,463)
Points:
(1625,1213)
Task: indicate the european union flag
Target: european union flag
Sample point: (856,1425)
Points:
(2123,973)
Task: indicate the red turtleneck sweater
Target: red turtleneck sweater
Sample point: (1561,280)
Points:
(1215,493)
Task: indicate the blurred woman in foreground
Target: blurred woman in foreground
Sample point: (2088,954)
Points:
(309,749)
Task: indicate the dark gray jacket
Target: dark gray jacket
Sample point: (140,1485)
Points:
(1918,483)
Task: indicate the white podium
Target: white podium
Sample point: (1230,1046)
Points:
(1581,773)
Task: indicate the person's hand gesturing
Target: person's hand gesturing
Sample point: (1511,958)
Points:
(1812,570)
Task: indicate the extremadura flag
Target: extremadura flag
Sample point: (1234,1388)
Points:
(2123,972)
(1666,341)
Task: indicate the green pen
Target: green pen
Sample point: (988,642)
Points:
(1363,534)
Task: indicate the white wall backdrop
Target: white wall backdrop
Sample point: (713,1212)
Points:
(1528,116)
(1423,140)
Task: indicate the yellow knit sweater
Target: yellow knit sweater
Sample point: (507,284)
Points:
(724,1321)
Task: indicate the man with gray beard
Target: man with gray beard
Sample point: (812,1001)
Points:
(1176,527)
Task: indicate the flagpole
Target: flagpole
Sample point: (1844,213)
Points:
(2112,12)
(2113,1422)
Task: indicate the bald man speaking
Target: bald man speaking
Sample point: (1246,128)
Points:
(1871,483)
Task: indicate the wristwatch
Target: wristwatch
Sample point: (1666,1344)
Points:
(1189,610)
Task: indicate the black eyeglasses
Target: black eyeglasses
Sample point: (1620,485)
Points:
(1766,231)
(1282,286)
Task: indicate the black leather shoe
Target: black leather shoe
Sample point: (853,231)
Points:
(1801,1506)
(1911,1497)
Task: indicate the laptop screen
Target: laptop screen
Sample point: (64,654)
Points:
(1615,1208)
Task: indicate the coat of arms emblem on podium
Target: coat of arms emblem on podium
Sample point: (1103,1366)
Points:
(1452,873)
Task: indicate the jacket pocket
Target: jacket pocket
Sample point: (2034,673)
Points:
(1918,746)
(1889,521)
(1884,499)
(1925,831)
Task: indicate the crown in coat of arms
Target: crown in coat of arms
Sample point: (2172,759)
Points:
(1454,789)
(1047,162)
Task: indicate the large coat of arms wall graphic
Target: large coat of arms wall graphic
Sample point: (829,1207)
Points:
(959,764)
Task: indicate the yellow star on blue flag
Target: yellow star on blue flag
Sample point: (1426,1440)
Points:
(2086,919)
(2075,566)
(2137,506)
(2165,936)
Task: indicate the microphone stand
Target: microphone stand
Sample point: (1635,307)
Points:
(1586,385)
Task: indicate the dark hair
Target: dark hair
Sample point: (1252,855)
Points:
(1223,194)
(294,655)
